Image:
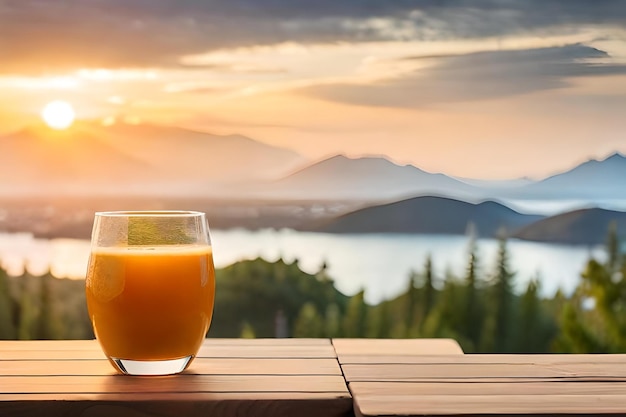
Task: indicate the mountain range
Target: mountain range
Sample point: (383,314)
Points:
(267,186)
(377,179)
(437,216)
(364,179)
(96,159)
(593,179)
(430,215)
(175,161)
(584,226)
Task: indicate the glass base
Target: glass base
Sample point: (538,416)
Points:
(166,367)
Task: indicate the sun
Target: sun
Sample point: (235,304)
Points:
(58,114)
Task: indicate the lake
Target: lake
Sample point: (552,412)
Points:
(379,263)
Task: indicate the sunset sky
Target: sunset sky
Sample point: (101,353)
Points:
(473,88)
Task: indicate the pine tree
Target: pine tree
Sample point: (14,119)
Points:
(613,249)
(377,324)
(575,337)
(354,321)
(446,319)
(411,301)
(594,321)
(473,318)
(502,291)
(48,325)
(531,327)
(429,288)
(27,309)
(7,326)
(332,321)
(308,323)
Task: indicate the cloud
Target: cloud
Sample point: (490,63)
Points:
(476,76)
(41,36)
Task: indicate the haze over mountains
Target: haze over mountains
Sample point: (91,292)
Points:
(367,179)
(245,183)
(94,159)
(601,179)
(169,160)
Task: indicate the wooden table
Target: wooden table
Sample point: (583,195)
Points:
(262,377)
(311,377)
(484,385)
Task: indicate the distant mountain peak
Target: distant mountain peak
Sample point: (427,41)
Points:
(611,158)
(595,179)
(379,160)
(364,164)
(615,156)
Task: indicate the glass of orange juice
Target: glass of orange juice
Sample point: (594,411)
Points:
(150,288)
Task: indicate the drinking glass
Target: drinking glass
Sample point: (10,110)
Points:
(150,288)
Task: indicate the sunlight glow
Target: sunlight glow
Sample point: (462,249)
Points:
(40,83)
(103,74)
(58,115)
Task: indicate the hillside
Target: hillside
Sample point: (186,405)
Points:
(586,226)
(429,215)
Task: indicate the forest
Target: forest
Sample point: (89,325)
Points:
(479,309)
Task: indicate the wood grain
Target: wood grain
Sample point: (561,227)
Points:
(266,351)
(490,405)
(93,344)
(501,359)
(211,348)
(178,383)
(388,347)
(173,396)
(418,389)
(305,407)
(434,372)
(54,354)
(268,342)
(205,366)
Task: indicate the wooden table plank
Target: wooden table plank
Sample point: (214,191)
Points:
(48,345)
(206,366)
(387,347)
(173,396)
(270,342)
(490,405)
(303,352)
(503,359)
(260,407)
(421,372)
(55,354)
(418,389)
(179,383)
(280,351)
(211,348)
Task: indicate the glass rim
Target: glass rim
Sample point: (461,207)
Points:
(150,213)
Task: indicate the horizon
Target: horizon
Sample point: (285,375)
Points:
(492,90)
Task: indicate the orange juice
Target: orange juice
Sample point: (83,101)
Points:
(151,303)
